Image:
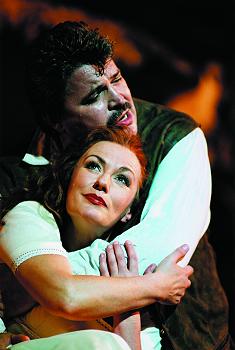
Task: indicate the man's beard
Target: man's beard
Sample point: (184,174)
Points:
(114,117)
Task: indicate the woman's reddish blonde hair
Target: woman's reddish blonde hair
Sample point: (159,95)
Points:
(122,136)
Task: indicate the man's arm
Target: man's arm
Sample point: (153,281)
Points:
(30,245)
(176,212)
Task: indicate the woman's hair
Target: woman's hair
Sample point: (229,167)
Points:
(49,185)
(123,137)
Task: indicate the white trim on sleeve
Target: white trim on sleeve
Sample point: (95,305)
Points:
(29,230)
(35,160)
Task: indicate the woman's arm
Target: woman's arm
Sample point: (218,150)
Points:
(30,245)
(113,263)
(49,279)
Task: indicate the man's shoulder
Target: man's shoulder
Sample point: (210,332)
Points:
(149,112)
(10,165)
(14,172)
(161,127)
(11,173)
(153,117)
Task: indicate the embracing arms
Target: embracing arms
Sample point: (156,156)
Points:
(49,279)
(181,192)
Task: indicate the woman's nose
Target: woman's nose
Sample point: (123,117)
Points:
(102,184)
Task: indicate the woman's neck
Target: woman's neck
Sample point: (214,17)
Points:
(80,235)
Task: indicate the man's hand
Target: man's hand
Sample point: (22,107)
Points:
(173,279)
(9,338)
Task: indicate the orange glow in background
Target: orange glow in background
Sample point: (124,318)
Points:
(32,14)
(201,102)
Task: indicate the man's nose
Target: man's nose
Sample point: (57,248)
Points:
(102,183)
(115,98)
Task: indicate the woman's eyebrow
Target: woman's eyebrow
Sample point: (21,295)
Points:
(103,162)
(124,168)
(98,157)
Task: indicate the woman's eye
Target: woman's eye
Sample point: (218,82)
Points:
(93,166)
(123,179)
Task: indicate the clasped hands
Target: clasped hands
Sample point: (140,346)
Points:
(172,280)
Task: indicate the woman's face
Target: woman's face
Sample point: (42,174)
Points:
(103,186)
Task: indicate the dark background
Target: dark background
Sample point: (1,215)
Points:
(163,48)
(175,40)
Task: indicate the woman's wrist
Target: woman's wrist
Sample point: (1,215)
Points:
(128,326)
(132,316)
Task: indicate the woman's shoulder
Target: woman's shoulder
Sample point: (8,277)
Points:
(30,211)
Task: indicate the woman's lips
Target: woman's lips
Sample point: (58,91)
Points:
(94,199)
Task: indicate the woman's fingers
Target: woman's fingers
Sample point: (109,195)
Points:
(104,271)
(120,258)
(132,261)
(111,260)
(114,262)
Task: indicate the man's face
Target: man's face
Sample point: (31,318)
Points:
(100,99)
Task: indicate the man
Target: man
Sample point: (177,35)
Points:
(72,77)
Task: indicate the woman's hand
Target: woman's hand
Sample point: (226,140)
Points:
(173,279)
(7,339)
(114,263)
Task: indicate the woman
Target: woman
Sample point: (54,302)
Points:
(103,186)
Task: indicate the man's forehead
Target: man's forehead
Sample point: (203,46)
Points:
(93,74)
(86,73)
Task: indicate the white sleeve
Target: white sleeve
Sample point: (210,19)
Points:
(2,326)
(177,210)
(29,230)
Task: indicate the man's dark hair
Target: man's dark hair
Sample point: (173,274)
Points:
(52,59)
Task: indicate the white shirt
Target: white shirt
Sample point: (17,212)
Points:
(176,212)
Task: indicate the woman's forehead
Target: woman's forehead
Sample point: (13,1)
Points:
(115,155)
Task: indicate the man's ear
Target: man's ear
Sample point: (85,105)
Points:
(127,216)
